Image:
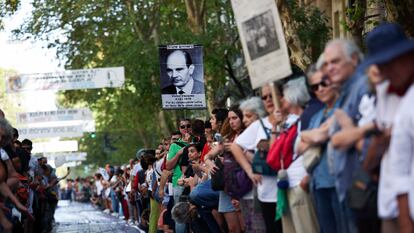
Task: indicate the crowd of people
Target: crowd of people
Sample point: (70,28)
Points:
(28,185)
(328,150)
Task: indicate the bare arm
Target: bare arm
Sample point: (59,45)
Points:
(244,163)
(404,219)
(346,138)
(171,163)
(164,178)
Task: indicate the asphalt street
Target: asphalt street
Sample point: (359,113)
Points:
(71,217)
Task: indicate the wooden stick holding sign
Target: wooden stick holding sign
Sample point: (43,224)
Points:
(275,95)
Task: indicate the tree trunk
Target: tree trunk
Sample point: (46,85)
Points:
(401,12)
(357,25)
(298,55)
(196,10)
(195,15)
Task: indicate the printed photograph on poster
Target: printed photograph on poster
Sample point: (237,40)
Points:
(182,77)
(263,40)
(260,34)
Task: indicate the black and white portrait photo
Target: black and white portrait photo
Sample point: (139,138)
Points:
(181,71)
(260,34)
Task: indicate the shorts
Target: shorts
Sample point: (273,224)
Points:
(225,205)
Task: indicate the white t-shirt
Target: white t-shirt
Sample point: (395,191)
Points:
(148,178)
(136,169)
(267,190)
(386,108)
(99,187)
(158,165)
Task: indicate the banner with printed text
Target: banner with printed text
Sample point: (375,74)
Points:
(51,132)
(54,115)
(66,80)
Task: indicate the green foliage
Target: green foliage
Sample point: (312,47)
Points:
(311,27)
(7,8)
(106,33)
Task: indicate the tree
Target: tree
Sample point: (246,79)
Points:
(126,33)
(7,8)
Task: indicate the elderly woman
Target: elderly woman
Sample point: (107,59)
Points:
(252,110)
(299,215)
(266,184)
(327,204)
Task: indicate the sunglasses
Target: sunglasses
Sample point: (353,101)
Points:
(185,126)
(323,83)
(265,97)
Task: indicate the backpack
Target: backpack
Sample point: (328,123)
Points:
(280,155)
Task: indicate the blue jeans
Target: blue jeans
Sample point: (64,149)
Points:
(206,199)
(114,201)
(329,210)
(203,195)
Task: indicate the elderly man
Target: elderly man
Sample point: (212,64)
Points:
(180,69)
(393,53)
(341,59)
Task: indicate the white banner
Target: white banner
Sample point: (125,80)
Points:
(56,146)
(263,40)
(67,80)
(50,132)
(54,115)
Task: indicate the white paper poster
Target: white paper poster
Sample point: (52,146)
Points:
(182,77)
(54,115)
(66,80)
(263,40)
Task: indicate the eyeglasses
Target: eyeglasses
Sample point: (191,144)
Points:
(265,97)
(323,83)
(185,126)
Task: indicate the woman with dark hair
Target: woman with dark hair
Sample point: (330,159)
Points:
(235,125)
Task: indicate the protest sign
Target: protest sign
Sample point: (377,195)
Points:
(263,41)
(66,80)
(182,77)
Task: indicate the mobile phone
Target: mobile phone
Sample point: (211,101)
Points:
(218,137)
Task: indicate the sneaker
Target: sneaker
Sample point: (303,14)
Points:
(130,221)
(115,215)
(106,211)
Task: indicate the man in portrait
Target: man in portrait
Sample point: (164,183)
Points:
(180,70)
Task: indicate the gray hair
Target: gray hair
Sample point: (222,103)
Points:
(7,132)
(181,212)
(295,92)
(255,105)
(349,47)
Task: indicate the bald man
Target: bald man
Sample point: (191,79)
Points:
(180,69)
